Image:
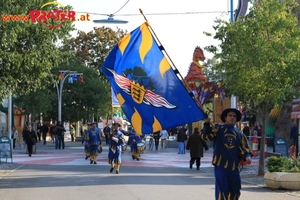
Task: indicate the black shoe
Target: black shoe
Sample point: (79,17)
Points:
(137,159)
(111,170)
(191,166)
(91,162)
(29,155)
(95,162)
(132,157)
(117,172)
(198,168)
(86,157)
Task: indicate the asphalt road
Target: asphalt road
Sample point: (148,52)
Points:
(76,179)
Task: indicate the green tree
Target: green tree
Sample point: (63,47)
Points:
(80,100)
(84,100)
(259,57)
(28,50)
(93,47)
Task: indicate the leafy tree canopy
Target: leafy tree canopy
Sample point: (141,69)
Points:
(260,57)
(260,54)
(28,50)
(93,47)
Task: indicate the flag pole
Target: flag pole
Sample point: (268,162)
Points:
(173,65)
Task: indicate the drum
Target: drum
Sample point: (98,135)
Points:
(141,147)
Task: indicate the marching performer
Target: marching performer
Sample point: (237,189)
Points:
(94,141)
(133,141)
(84,140)
(115,148)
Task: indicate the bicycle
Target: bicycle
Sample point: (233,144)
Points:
(151,143)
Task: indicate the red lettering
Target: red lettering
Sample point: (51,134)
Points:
(63,16)
(71,15)
(51,15)
(58,13)
(43,17)
(34,14)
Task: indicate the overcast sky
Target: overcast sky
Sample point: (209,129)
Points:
(179,33)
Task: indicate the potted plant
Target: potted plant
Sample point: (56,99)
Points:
(283,173)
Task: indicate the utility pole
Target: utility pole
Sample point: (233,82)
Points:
(64,74)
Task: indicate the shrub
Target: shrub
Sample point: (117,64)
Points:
(283,164)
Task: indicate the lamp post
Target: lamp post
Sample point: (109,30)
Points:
(64,74)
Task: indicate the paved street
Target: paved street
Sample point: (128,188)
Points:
(163,174)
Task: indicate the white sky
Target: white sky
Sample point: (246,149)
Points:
(179,34)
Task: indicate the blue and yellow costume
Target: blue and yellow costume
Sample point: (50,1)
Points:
(115,148)
(94,141)
(133,141)
(84,140)
(230,146)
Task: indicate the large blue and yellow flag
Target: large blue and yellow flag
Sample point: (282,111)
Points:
(148,90)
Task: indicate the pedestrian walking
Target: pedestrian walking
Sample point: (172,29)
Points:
(195,145)
(230,147)
(30,138)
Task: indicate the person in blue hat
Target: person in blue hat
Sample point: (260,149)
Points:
(230,147)
(94,142)
(116,141)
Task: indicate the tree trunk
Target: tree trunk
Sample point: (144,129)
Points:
(284,122)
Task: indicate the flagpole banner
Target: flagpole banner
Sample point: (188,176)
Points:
(149,92)
(114,100)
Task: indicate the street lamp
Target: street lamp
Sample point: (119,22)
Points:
(64,74)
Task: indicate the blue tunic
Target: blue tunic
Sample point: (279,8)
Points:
(115,147)
(230,146)
(94,140)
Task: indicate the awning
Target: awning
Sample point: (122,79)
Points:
(295,115)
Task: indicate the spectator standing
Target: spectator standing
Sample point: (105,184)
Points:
(72,132)
(293,135)
(14,136)
(163,138)
(61,135)
(38,131)
(181,138)
(44,130)
(156,136)
(246,131)
(106,132)
(258,129)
